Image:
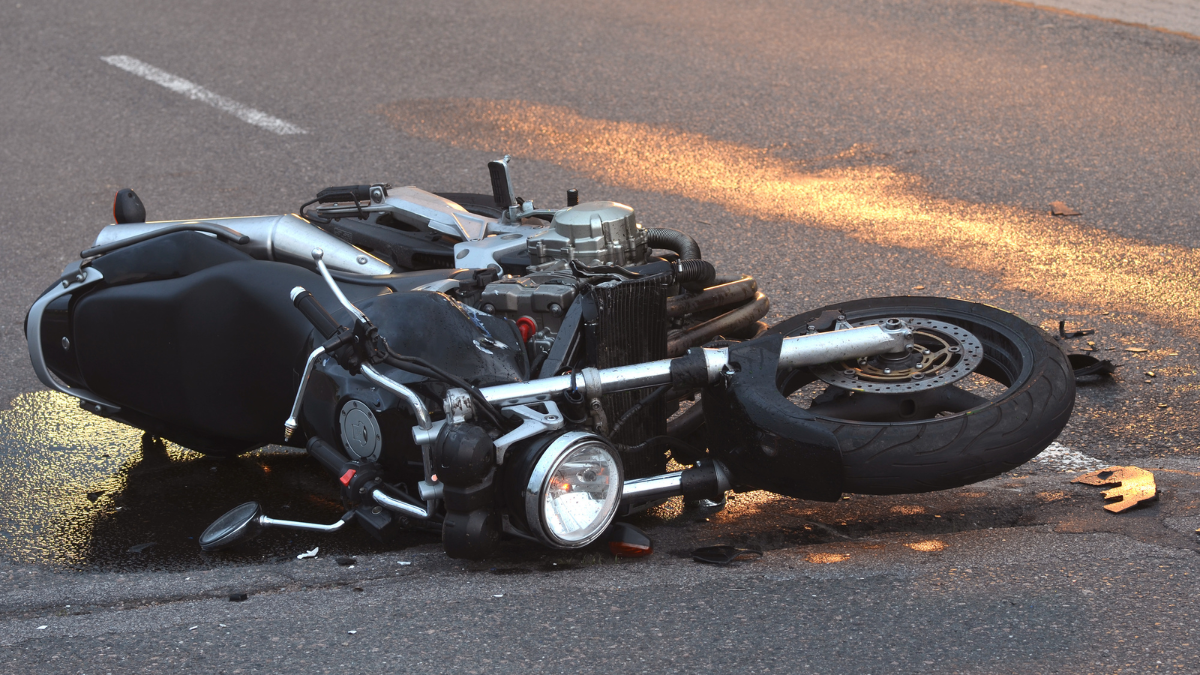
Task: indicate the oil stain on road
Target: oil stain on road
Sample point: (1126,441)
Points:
(1060,260)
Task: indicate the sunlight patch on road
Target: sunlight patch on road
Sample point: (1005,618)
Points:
(1055,258)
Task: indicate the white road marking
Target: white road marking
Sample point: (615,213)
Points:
(1059,457)
(198,93)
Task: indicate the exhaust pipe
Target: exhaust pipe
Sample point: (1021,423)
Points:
(287,238)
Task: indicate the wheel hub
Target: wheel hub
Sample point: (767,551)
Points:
(941,353)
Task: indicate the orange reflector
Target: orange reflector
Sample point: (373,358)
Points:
(627,550)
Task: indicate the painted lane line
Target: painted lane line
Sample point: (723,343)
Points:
(198,93)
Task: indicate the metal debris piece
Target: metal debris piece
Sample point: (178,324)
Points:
(1061,209)
(1063,334)
(1134,486)
(308,554)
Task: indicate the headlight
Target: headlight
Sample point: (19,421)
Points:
(573,490)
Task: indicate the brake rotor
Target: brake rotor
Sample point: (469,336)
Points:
(941,353)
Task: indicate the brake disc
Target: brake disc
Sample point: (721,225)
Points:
(941,353)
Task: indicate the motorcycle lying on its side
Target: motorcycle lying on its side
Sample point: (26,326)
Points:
(478,365)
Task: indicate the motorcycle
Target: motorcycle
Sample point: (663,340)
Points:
(477,365)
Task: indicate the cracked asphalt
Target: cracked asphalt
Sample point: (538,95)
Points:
(908,147)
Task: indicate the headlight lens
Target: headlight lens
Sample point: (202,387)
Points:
(574,490)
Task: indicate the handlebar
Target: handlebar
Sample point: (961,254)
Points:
(316,314)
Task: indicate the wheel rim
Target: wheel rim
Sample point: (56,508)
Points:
(971,382)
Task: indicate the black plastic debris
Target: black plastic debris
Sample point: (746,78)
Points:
(1089,368)
(1064,335)
(1061,209)
(724,555)
(238,597)
(345,560)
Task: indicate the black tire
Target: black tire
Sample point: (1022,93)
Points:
(923,452)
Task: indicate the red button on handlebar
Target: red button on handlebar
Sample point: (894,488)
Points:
(347,477)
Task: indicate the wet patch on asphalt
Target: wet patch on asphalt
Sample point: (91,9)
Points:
(83,492)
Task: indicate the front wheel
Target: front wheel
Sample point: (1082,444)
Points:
(961,408)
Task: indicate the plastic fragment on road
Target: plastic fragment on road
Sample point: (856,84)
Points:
(1061,209)
(1134,486)
(724,555)
(1085,366)
(308,554)
(1136,350)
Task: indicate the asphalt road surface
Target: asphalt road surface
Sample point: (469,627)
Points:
(833,150)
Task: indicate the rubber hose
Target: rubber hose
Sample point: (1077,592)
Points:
(673,240)
(695,273)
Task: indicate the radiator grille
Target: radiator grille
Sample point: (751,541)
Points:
(631,327)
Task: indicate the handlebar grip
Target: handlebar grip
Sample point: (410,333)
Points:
(329,458)
(312,310)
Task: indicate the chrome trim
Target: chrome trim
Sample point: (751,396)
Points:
(803,350)
(532,424)
(292,423)
(318,256)
(653,487)
(414,402)
(85,276)
(388,502)
(536,486)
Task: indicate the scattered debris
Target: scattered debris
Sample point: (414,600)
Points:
(403,562)
(724,555)
(1089,368)
(1136,350)
(308,554)
(193,627)
(1064,335)
(42,627)
(826,558)
(1134,486)
(345,560)
(141,548)
(351,632)
(1061,209)
(1149,373)
(238,597)
(918,288)
(928,546)
(498,595)
(93,496)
